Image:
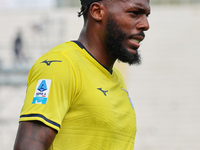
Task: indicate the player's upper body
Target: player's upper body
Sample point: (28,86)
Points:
(89,107)
(95,105)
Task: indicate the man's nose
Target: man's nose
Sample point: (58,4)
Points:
(143,24)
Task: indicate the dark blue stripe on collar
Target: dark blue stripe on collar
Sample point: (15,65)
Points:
(82,47)
(79,44)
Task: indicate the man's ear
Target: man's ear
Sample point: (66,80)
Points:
(97,11)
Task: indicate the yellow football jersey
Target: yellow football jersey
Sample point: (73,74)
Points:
(71,92)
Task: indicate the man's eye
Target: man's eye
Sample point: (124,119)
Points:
(134,12)
(147,15)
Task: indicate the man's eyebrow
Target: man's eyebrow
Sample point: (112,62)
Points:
(142,9)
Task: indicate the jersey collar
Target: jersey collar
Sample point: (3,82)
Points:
(83,47)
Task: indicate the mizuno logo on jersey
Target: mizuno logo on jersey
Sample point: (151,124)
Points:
(49,62)
(104,92)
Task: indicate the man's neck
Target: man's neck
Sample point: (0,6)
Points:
(95,45)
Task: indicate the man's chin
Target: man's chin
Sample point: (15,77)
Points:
(133,51)
(130,58)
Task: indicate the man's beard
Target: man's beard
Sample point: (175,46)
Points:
(114,40)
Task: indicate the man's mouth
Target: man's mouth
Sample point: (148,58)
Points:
(136,41)
(137,38)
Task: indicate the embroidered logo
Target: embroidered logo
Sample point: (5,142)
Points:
(104,92)
(49,62)
(42,91)
(128,97)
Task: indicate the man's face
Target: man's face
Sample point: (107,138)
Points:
(125,26)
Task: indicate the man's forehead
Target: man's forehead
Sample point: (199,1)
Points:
(86,2)
(140,4)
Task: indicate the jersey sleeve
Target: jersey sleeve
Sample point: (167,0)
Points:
(51,89)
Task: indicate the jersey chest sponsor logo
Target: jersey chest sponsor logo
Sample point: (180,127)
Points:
(42,91)
(48,63)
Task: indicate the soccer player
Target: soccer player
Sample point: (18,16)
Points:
(76,99)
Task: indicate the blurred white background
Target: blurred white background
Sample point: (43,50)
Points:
(164,88)
(21,4)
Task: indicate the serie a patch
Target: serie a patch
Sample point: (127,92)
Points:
(42,91)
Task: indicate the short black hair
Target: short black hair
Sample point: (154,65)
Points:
(85,7)
(84,10)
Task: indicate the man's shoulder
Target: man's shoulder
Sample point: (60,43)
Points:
(62,55)
(64,47)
